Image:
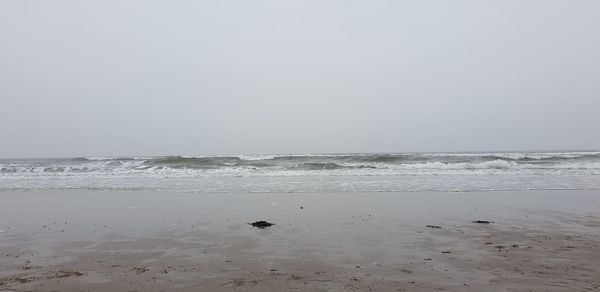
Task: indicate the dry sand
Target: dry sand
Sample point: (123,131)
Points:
(150,241)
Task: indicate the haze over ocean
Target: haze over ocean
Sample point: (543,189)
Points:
(146,78)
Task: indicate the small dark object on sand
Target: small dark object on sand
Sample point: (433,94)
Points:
(63,274)
(433,226)
(139,270)
(301,207)
(482,222)
(261,224)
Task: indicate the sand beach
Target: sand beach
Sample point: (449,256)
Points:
(419,241)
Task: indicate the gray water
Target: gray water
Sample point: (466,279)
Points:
(382,172)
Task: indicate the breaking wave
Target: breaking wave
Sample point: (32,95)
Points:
(355,164)
(282,171)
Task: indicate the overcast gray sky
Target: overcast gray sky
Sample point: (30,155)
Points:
(82,78)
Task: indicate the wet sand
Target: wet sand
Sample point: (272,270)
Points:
(158,241)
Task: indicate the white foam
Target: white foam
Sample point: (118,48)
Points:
(105,173)
(98,158)
(256,157)
(518,155)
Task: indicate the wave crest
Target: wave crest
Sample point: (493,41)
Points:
(309,164)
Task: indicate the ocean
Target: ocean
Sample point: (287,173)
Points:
(310,173)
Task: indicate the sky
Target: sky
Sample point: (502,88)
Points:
(110,78)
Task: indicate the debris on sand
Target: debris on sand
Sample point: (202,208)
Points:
(57,275)
(63,274)
(26,279)
(139,270)
(261,224)
(482,222)
(433,226)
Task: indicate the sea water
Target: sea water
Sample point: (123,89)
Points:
(360,172)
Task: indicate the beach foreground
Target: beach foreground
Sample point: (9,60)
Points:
(161,241)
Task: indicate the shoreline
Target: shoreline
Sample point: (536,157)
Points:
(154,241)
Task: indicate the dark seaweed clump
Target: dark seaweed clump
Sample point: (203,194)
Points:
(261,224)
(482,222)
